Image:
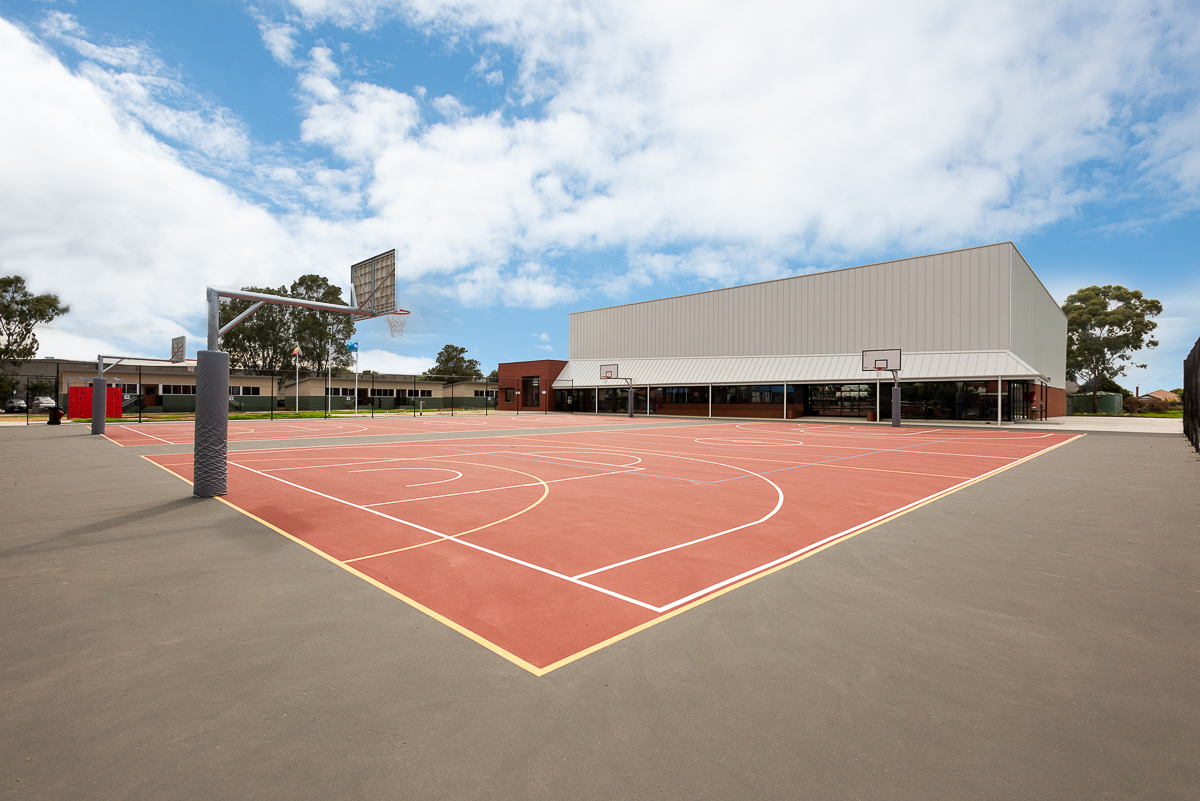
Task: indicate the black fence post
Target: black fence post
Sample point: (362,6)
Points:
(1191,396)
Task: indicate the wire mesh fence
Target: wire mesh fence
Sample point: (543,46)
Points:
(1191,396)
(29,397)
(266,394)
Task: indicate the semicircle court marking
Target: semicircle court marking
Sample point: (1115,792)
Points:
(445,537)
(778,505)
(557,455)
(739,441)
(457,475)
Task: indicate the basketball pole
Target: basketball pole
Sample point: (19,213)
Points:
(210,464)
(895,398)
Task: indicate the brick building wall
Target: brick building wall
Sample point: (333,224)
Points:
(518,389)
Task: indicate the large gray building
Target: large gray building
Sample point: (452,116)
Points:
(976,326)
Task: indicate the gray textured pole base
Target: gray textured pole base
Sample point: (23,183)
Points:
(895,406)
(212,424)
(99,404)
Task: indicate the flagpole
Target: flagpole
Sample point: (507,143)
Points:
(296,353)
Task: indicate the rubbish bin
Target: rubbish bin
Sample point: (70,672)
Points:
(871,416)
(56,416)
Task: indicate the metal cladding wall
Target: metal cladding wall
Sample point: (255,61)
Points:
(945,302)
(1039,327)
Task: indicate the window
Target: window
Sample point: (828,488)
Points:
(251,390)
(383,393)
(420,393)
(531,396)
(235,390)
(508,395)
(751,394)
(178,389)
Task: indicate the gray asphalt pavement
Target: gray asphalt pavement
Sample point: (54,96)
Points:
(1036,635)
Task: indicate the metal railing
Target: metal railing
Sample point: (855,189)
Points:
(1191,396)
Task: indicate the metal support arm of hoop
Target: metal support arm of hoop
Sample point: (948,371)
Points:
(216,330)
(211,468)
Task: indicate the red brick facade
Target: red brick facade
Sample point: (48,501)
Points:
(519,393)
(1056,402)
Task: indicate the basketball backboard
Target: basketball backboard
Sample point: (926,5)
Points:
(881,359)
(179,349)
(374,283)
(609,371)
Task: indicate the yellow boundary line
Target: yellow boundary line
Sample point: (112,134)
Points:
(491,646)
(542,671)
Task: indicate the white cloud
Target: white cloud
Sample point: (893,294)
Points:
(139,84)
(279,38)
(98,211)
(532,286)
(382,361)
(710,142)
(449,107)
(776,131)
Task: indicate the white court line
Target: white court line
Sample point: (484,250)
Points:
(768,516)
(455,540)
(400,443)
(505,487)
(871,448)
(151,436)
(457,475)
(340,464)
(832,537)
(569,449)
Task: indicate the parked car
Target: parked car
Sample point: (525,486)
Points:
(43,403)
(14,405)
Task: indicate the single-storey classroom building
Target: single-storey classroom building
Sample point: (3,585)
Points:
(981,337)
(162,385)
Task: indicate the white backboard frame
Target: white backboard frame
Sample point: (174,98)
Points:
(610,372)
(887,359)
(373,282)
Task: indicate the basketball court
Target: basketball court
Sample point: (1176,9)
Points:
(182,433)
(546,548)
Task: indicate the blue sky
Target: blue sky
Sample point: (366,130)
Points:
(529,159)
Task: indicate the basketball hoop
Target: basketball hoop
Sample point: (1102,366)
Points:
(396,321)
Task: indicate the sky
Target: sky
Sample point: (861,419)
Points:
(530,158)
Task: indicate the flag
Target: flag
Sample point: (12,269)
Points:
(296,351)
(352,347)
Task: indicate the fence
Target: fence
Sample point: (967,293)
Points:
(319,393)
(1191,396)
(36,394)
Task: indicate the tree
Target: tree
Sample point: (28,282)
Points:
(494,376)
(1107,385)
(264,341)
(321,336)
(452,364)
(40,387)
(20,312)
(1105,325)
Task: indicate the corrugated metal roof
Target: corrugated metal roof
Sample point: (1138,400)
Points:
(832,369)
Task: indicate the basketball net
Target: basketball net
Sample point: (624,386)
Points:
(396,321)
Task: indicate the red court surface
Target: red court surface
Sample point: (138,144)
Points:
(547,548)
(132,434)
